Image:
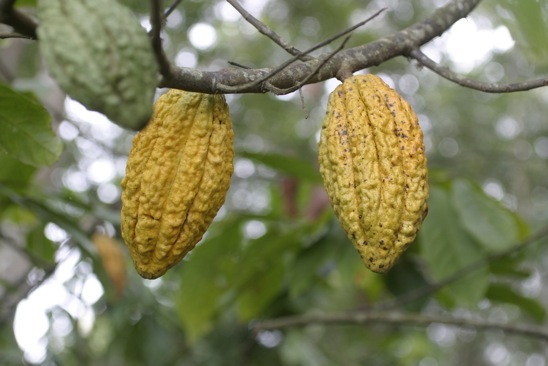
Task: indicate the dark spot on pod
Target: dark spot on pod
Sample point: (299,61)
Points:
(364,243)
(371,260)
(381,266)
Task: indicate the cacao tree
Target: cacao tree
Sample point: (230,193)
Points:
(275,278)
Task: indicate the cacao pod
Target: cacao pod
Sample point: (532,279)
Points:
(373,164)
(177,176)
(113,260)
(100,55)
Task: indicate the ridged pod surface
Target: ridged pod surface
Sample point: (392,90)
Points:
(177,176)
(100,55)
(372,160)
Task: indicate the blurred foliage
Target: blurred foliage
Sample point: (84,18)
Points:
(276,248)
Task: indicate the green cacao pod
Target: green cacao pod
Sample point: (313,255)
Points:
(177,176)
(100,55)
(373,164)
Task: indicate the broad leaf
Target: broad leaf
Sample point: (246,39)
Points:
(40,246)
(312,264)
(446,247)
(492,225)
(288,165)
(15,174)
(205,278)
(258,294)
(505,294)
(25,129)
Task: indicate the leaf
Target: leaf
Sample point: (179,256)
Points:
(311,265)
(258,294)
(505,294)
(405,277)
(530,25)
(40,246)
(492,225)
(510,267)
(25,129)
(46,213)
(205,278)
(287,165)
(264,266)
(15,174)
(22,3)
(446,247)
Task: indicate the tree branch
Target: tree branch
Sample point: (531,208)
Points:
(156,18)
(353,59)
(171,8)
(475,84)
(18,20)
(263,81)
(399,319)
(238,80)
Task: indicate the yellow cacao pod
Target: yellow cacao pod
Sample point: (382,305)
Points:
(112,256)
(373,164)
(177,176)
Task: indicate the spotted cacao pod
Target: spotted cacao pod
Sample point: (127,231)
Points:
(177,176)
(100,55)
(373,164)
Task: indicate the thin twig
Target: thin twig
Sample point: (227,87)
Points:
(225,88)
(14,35)
(314,72)
(264,29)
(399,319)
(171,8)
(461,273)
(475,84)
(238,65)
(156,18)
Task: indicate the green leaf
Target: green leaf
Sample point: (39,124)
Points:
(15,174)
(47,213)
(492,225)
(257,294)
(40,246)
(406,277)
(22,3)
(446,247)
(505,294)
(205,278)
(25,129)
(288,165)
(510,267)
(311,265)
(530,25)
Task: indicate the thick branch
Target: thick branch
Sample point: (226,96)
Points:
(239,80)
(365,318)
(354,59)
